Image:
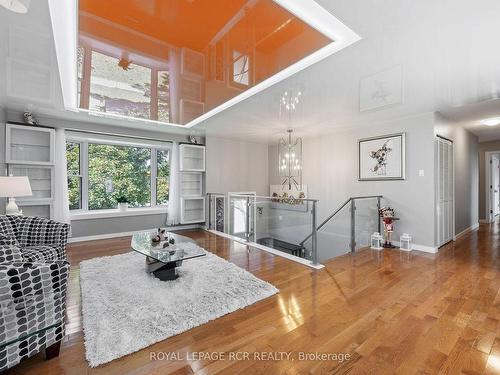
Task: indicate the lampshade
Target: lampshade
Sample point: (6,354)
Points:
(15,186)
(17,6)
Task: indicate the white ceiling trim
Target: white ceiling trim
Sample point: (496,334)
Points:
(63,15)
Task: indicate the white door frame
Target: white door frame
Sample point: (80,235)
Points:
(489,217)
(495,185)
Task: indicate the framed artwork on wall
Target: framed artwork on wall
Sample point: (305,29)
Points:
(382,158)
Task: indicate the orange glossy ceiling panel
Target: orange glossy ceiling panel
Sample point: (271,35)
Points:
(188,23)
(215,49)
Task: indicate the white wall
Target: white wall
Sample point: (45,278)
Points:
(466,171)
(234,166)
(331,174)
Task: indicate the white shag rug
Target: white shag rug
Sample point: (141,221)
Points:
(125,309)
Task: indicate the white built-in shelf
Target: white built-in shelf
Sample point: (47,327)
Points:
(29,151)
(41,180)
(192,158)
(29,145)
(191,184)
(41,208)
(192,210)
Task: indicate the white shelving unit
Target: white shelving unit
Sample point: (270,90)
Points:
(191,184)
(192,210)
(29,145)
(192,158)
(192,172)
(30,152)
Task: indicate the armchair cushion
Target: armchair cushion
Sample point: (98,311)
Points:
(41,253)
(8,228)
(36,231)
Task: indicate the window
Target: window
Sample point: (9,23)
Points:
(241,64)
(100,173)
(122,87)
(80,53)
(116,171)
(119,87)
(162,176)
(163,96)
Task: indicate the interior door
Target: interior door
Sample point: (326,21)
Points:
(495,182)
(445,188)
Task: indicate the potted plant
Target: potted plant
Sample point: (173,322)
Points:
(122,203)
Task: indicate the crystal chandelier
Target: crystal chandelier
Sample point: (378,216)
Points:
(289,149)
(290,161)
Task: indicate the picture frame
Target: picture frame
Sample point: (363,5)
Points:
(382,158)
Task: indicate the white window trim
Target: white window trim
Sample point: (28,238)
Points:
(83,141)
(113,212)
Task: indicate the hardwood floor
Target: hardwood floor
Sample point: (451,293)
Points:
(392,312)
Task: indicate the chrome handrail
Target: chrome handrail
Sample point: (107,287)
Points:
(338,210)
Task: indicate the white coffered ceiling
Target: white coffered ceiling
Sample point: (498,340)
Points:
(447,49)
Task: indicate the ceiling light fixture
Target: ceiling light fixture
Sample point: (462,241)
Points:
(16,6)
(491,121)
(290,161)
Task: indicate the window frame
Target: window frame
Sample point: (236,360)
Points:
(231,82)
(79,175)
(155,68)
(128,142)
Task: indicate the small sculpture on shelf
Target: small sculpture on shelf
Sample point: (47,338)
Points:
(30,119)
(388,218)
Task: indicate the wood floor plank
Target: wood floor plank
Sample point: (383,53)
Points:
(390,312)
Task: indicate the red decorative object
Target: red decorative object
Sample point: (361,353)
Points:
(388,218)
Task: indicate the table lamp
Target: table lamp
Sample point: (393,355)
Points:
(11,187)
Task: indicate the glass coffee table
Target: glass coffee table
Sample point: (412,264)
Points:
(162,262)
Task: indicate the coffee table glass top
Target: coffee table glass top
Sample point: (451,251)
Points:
(141,242)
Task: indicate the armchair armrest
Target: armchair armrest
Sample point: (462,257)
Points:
(9,251)
(35,231)
(32,298)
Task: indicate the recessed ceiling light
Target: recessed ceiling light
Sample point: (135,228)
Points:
(491,122)
(17,6)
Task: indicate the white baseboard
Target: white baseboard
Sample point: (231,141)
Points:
(465,231)
(415,246)
(270,250)
(484,221)
(125,234)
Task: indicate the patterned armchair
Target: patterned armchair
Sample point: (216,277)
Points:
(33,278)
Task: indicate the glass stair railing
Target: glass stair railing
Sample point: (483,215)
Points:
(289,225)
